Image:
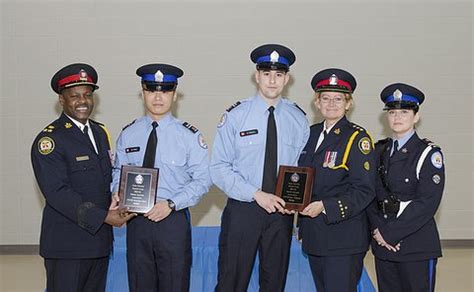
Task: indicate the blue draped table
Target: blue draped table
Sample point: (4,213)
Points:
(204,267)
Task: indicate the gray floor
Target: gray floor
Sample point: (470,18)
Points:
(25,273)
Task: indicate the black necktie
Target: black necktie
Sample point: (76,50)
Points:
(85,130)
(395,147)
(149,159)
(271,156)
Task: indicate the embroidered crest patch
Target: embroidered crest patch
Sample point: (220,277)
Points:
(364,145)
(202,142)
(46,145)
(437,160)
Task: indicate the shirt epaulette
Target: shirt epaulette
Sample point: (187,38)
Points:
(314,125)
(128,125)
(190,127)
(298,107)
(382,141)
(49,129)
(428,142)
(357,127)
(96,122)
(233,106)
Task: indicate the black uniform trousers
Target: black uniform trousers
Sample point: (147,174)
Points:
(76,275)
(245,229)
(336,273)
(159,253)
(416,276)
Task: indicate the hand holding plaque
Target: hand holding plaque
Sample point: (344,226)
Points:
(138,186)
(294,186)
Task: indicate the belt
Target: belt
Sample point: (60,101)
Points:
(389,206)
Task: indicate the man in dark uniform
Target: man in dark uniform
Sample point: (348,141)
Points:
(334,227)
(409,187)
(72,164)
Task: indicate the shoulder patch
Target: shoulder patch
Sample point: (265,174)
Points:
(190,127)
(222,120)
(365,145)
(128,125)
(46,145)
(202,142)
(233,106)
(437,159)
(298,107)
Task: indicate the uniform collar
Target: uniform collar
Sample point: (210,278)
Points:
(402,141)
(79,124)
(328,129)
(403,150)
(338,124)
(262,106)
(162,123)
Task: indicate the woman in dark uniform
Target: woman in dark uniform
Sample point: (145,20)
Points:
(409,186)
(334,227)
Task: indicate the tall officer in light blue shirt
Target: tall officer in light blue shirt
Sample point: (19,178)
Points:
(254,137)
(159,242)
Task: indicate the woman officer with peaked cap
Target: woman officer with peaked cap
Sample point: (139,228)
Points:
(409,186)
(334,227)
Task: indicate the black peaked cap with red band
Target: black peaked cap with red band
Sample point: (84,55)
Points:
(334,79)
(74,75)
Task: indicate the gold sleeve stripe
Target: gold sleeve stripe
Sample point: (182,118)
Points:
(108,136)
(371,139)
(347,151)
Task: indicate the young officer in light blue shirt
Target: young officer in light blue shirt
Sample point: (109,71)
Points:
(159,242)
(254,137)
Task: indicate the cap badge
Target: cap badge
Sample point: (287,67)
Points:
(83,75)
(333,79)
(274,56)
(397,94)
(159,76)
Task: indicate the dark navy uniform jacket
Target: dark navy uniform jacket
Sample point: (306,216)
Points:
(346,190)
(415,228)
(75,182)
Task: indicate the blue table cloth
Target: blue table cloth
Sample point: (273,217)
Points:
(204,267)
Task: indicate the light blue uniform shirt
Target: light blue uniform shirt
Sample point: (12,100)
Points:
(238,152)
(402,141)
(181,156)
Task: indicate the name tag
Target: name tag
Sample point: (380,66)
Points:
(248,133)
(132,149)
(82,158)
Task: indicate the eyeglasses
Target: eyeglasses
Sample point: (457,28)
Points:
(336,100)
